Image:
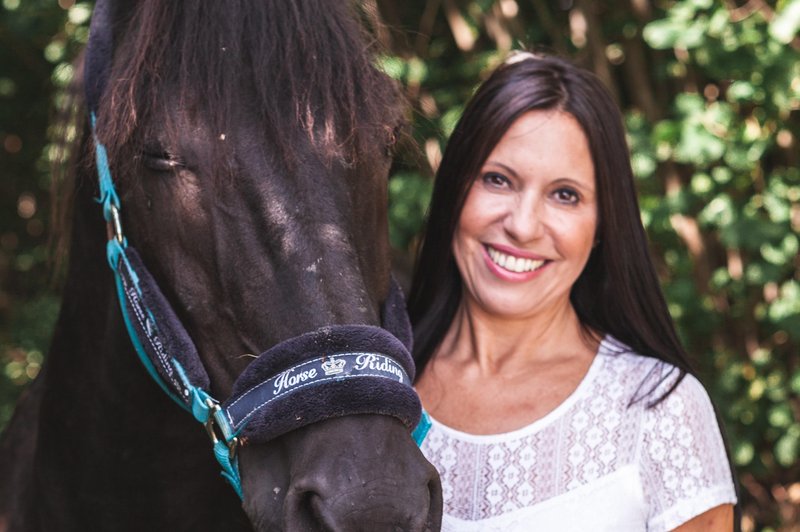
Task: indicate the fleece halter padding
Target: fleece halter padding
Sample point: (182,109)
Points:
(346,369)
(334,371)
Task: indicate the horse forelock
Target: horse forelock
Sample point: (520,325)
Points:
(300,66)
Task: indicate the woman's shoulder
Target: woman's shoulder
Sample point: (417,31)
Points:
(642,376)
(653,378)
(669,397)
(683,465)
(666,397)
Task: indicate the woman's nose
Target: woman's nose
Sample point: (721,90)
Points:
(524,222)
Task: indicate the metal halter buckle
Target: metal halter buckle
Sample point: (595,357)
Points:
(115,224)
(215,432)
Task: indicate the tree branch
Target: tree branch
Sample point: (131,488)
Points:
(462,34)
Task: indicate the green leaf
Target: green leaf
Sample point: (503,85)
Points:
(787,304)
(721,175)
(80,13)
(784,26)
(780,416)
(662,34)
(783,253)
(449,120)
(794,384)
(719,22)
(417,71)
(787,448)
(719,212)
(698,145)
(409,195)
(688,103)
(702,4)
(743,453)
(693,36)
(643,165)
(392,66)
(702,183)
(666,131)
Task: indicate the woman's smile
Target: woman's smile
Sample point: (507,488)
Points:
(504,261)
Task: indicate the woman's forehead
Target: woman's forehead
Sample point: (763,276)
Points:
(545,141)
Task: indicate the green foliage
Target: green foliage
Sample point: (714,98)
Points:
(40,38)
(409,195)
(732,134)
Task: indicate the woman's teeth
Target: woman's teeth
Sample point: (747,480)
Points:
(514,264)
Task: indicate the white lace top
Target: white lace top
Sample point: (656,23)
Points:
(593,463)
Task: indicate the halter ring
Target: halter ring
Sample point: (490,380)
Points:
(212,427)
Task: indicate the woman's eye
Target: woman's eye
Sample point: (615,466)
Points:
(567,195)
(162,162)
(495,179)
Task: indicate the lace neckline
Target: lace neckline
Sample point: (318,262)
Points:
(543,421)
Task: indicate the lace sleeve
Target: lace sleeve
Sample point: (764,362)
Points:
(684,466)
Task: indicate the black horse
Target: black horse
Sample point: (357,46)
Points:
(250,143)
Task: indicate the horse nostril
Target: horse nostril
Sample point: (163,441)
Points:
(314,514)
(312,511)
(316,509)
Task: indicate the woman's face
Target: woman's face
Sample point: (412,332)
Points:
(529,221)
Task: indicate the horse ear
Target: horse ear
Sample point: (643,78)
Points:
(108,18)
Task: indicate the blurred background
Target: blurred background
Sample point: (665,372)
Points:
(711,95)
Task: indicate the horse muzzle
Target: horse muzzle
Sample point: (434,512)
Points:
(349,474)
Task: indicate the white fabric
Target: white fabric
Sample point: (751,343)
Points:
(594,463)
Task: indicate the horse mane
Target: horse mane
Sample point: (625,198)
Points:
(208,51)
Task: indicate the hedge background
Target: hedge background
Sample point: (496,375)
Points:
(711,95)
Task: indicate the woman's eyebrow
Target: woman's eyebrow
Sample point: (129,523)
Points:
(503,166)
(575,183)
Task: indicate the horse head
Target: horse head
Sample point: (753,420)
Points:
(249,144)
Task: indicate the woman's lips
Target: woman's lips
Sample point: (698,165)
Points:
(513,265)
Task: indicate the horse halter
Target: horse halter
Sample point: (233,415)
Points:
(343,369)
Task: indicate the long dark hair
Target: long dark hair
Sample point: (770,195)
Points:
(618,292)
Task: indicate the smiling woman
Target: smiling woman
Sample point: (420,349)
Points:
(560,395)
(529,220)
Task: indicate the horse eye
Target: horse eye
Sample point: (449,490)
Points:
(162,161)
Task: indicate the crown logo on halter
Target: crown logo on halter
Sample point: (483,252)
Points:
(333,366)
